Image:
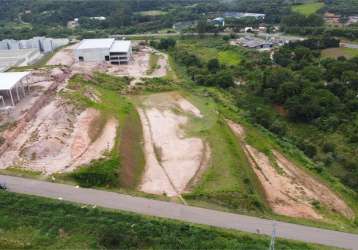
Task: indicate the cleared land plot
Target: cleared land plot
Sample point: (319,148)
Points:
(64,56)
(289,190)
(308,8)
(337,52)
(58,139)
(172,158)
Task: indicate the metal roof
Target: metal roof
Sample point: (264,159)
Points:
(105,43)
(9,79)
(121,46)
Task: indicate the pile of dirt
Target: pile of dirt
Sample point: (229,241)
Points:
(289,190)
(172,159)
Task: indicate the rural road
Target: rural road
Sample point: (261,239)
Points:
(161,35)
(179,212)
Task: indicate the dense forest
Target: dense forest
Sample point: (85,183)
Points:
(43,17)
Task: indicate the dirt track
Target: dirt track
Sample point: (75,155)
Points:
(172,159)
(290,190)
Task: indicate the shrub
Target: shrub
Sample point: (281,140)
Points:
(99,173)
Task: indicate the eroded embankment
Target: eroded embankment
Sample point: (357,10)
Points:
(289,190)
(172,159)
(58,139)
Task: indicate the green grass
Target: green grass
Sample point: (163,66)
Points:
(153,63)
(229,57)
(308,8)
(131,151)
(229,180)
(21,172)
(28,222)
(337,52)
(211,47)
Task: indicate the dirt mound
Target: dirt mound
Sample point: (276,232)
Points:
(172,159)
(289,190)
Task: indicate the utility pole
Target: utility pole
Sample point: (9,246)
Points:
(273,236)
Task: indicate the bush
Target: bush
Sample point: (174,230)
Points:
(329,148)
(99,173)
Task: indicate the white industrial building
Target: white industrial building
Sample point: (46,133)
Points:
(20,57)
(13,87)
(44,44)
(101,50)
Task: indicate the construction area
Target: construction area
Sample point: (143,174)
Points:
(44,131)
(41,130)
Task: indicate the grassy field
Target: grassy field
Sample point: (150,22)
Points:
(210,48)
(337,52)
(28,222)
(308,8)
(229,57)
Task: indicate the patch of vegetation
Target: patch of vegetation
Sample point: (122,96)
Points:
(308,8)
(229,57)
(20,172)
(131,151)
(339,52)
(153,63)
(37,223)
(229,180)
(153,85)
(152,13)
(99,173)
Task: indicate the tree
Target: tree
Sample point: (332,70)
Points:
(202,26)
(213,65)
(166,43)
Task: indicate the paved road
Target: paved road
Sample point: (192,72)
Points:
(260,34)
(179,212)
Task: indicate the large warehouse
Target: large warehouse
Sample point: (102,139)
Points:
(99,50)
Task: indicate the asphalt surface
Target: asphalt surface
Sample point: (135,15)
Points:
(179,212)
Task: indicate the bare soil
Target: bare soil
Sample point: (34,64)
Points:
(63,57)
(172,159)
(290,190)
